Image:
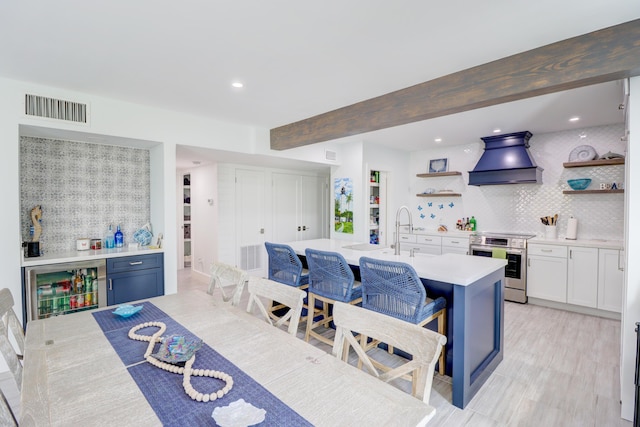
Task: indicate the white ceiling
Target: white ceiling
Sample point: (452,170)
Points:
(299,58)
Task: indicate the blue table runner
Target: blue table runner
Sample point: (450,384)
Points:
(163,390)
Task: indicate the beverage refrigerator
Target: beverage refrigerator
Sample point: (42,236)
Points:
(58,289)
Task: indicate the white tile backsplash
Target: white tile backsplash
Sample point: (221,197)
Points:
(518,207)
(82,188)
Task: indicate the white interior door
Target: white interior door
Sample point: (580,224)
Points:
(250,214)
(311,207)
(285,207)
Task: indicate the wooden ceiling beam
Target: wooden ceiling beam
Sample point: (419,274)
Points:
(609,54)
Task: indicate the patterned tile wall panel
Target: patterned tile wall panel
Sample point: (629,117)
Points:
(82,189)
(518,207)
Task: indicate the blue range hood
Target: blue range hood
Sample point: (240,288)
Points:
(506,160)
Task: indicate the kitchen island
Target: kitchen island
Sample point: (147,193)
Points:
(474,290)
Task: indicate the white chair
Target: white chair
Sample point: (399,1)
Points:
(10,325)
(7,418)
(226,276)
(284,294)
(422,344)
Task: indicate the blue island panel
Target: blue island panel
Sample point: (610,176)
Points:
(478,328)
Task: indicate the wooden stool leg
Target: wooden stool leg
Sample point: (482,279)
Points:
(441,330)
(311,304)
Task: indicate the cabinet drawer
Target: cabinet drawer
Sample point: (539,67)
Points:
(429,240)
(409,238)
(133,263)
(458,242)
(548,250)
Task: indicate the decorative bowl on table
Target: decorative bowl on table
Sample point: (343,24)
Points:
(127,310)
(238,413)
(177,349)
(579,184)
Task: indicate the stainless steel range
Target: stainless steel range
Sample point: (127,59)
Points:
(515,246)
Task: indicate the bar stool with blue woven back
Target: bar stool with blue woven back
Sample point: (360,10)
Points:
(394,288)
(285,267)
(330,280)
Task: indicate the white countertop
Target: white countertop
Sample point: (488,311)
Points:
(457,269)
(595,243)
(76,256)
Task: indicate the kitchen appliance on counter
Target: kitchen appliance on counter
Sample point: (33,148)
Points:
(515,248)
(58,289)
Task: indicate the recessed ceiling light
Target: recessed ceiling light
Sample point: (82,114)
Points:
(438,140)
(496,130)
(237,84)
(574,119)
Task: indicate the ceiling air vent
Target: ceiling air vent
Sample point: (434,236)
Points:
(330,155)
(52,108)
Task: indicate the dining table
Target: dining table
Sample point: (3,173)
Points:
(84,369)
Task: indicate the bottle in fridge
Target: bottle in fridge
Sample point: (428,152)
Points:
(60,289)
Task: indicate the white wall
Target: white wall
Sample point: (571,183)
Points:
(351,166)
(396,164)
(518,207)
(110,117)
(204,217)
(631,305)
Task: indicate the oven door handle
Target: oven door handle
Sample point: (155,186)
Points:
(510,251)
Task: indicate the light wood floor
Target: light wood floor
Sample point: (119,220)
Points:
(560,369)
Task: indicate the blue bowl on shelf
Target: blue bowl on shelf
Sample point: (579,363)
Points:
(579,184)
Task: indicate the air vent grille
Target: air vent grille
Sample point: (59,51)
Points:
(330,155)
(52,108)
(250,257)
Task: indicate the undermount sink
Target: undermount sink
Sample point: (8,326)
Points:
(364,247)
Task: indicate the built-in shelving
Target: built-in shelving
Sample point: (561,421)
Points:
(592,191)
(186,225)
(437,174)
(594,163)
(376,202)
(601,162)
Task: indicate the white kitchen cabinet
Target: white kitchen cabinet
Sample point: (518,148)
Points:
(610,280)
(434,245)
(427,244)
(299,210)
(582,276)
(455,245)
(547,272)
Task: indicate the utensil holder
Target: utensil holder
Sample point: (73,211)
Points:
(550,232)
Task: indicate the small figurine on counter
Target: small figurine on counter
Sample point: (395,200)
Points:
(36,217)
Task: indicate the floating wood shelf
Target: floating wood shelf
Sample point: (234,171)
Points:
(440,195)
(433,175)
(592,191)
(601,162)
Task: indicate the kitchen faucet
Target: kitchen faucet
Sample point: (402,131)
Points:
(398,225)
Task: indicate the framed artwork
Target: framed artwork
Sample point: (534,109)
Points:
(438,165)
(343,194)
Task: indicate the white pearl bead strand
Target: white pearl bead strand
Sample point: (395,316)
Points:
(185,371)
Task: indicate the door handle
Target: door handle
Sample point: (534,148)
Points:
(262,231)
(136,263)
(299,228)
(110,285)
(304,228)
(528,262)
